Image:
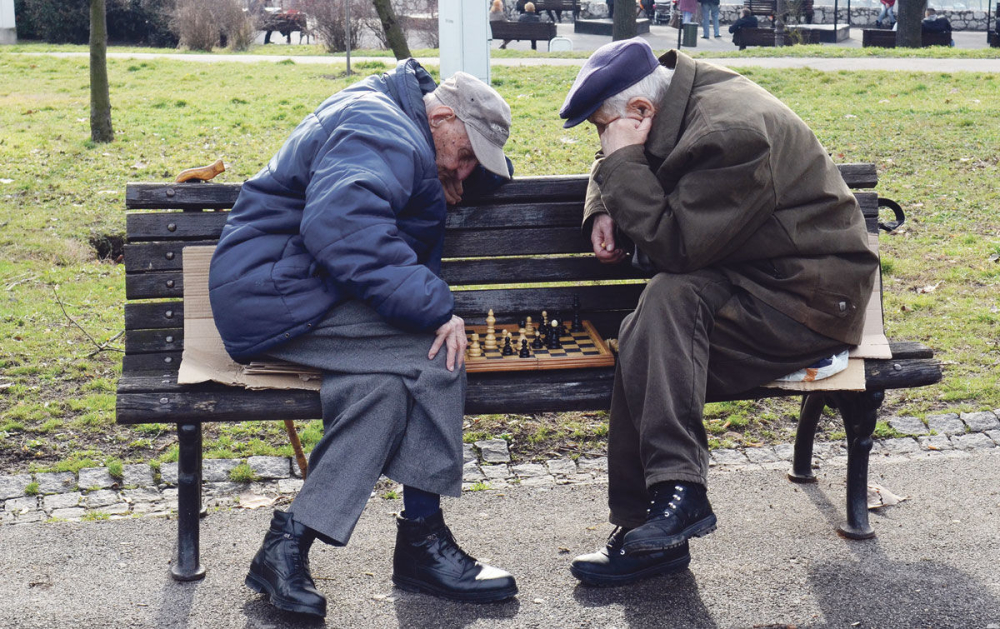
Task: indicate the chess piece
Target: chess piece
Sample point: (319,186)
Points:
(507,349)
(474,349)
(537,343)
(577,324)
(522,335)
(529,327)
(545,321)
(525,352)
(491,339)
(554,334)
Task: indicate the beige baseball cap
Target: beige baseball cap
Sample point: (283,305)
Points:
(486,117)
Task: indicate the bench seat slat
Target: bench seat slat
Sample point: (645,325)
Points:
(150,397)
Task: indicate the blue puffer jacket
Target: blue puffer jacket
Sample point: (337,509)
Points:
(350,208)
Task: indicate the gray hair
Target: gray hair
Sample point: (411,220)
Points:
(654,87)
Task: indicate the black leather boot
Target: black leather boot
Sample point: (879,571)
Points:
(676,514)
(280,568)
(610,566)
(427,559)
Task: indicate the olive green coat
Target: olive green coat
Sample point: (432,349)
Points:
(731,178)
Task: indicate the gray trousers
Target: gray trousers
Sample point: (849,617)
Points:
(691,334)
(387,409)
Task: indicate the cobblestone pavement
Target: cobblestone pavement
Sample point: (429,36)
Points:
(93,493)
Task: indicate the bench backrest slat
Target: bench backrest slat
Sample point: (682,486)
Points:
(525,239)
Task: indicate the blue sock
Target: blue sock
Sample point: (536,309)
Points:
(419,503)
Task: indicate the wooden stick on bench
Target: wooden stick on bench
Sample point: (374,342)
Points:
(293,437)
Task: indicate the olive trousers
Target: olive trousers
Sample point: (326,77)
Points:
(691,335)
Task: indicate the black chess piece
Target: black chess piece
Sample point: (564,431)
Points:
(525,352)
(537,343)
(577,324)
(554,342)
(507,349)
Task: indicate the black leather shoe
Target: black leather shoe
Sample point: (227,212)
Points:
(427,559)
(676,514)
(280,568)
(610,566)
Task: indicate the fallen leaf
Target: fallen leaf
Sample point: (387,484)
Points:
(879,496)
(254,501)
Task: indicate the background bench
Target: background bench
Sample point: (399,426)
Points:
(572,6)
(754,37)
(523,30)
(884,38)
(534,224)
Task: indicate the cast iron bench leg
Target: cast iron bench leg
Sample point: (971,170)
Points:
(809,414)
(859,410)
(188,566)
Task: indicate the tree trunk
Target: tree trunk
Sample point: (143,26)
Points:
(909,14)
(624,27)
(100,98)
(390,24)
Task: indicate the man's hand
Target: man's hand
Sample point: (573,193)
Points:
(602,237)
(625,132)
(452,190)
(452,335)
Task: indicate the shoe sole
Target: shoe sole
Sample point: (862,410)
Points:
(261,587)
(495,596)
(603,580)
(700,528)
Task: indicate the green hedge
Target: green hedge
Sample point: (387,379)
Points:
(137,22)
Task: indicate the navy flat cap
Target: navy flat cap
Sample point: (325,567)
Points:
(612,68)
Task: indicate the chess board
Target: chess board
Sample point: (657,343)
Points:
(579,350)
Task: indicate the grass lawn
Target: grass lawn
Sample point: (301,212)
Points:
(934,137)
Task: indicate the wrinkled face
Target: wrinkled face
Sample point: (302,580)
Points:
(601,119)
(455,157)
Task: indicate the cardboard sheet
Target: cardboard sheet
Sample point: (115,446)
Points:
(205,358)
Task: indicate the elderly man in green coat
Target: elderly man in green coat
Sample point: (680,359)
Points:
(760,267)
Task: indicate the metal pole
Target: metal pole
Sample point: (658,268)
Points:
(347,33)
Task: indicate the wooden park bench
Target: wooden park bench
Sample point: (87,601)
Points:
(769,9)
(508,31)
(753,37)
(528,233)
(884,38)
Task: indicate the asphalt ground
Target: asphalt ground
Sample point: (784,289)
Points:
(774,561)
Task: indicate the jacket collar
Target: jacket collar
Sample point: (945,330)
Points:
(667,129)
(407,85)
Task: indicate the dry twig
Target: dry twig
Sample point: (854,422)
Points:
(100,347)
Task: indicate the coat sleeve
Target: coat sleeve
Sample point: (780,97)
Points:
(689,217)
(592,204)
(362,177)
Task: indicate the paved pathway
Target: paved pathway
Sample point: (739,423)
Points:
(866,63)
(775,561)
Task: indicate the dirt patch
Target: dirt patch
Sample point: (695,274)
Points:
(109,247)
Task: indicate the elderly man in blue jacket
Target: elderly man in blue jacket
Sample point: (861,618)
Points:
(331,258)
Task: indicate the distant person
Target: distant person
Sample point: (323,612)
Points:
(611,9)
(934,23)
(747,20)
(888,13)
(497,14)
(647,7)
(529,14)
(687,9)
(710,11)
